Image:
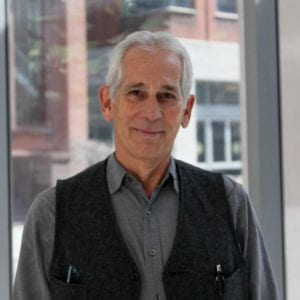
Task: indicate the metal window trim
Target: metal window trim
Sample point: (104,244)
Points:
(261,124)
(5,220)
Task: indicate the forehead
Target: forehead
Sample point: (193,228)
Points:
(151,64)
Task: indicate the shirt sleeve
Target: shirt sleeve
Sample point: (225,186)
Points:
(32,277)
(262,285)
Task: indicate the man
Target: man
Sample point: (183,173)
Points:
(142,225)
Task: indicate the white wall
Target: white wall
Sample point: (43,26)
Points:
(212,61)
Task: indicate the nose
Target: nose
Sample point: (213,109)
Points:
(152,109)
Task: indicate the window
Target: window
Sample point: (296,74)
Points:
(131,6)
(217,93)
(28,73)
(218,126)
(227,6)
(60,53)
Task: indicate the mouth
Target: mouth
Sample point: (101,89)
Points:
(149,132)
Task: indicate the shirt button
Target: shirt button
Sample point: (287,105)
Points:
(152,252)
(129,178)
(149,212)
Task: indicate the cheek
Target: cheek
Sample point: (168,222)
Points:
(175,116)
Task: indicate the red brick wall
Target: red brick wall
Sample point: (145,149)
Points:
(204,25)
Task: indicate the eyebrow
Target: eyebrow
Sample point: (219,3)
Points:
(142,85)
(134,85)
(170,88)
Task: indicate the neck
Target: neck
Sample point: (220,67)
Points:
(148,172)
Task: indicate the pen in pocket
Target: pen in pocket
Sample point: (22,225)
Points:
(219,280)
(73,275)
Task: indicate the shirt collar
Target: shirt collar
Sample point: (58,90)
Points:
(116,173)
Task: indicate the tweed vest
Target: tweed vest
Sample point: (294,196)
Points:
(91,260)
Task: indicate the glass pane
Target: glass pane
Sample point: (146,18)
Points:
(228,6)
(235,141)
(131,6)
(217,93)
(201,145)
(219,101)
(202,92)
(224,93)
(59,54)
(218,141)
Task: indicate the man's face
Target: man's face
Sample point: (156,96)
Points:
(149,108)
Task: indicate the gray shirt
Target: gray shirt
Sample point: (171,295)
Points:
(148,227)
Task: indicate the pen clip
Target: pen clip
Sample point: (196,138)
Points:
(72,275)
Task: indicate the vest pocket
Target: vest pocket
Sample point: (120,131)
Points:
(236,285)
(61,290)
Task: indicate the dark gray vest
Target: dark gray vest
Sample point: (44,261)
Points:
(87,237)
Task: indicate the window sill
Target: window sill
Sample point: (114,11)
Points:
(171,9)
(39,130)
(226,16)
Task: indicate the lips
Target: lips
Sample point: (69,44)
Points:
(149,131)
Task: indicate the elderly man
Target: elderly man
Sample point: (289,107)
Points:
(140,224)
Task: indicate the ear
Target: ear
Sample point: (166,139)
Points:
(105,102)
(188,111)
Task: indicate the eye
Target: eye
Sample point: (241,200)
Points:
(135,93)
(166,96)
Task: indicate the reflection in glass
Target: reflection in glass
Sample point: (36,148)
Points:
(218,141)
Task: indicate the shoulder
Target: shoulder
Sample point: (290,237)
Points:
(192,173)
(90,171)
(83,180)
(245,221)
(40,220)
(43,207)
(189,167)
(238,200)
(36,249)
(78,186)
(239,203)
(235,192)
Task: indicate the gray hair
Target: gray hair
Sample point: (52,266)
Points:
(149,41)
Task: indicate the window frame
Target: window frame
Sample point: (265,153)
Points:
(5,220)
(208,113)
(263,176)
(261,124)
